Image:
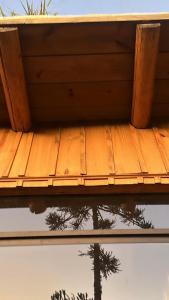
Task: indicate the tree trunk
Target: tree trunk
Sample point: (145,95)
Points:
(96,263)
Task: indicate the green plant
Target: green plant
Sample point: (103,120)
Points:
(30,8)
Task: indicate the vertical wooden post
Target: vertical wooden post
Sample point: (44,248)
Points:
(146,52)
(13,79)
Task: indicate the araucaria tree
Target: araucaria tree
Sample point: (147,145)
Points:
(102,217)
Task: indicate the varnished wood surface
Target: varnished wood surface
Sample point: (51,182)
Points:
(86,65)
(146,53)
(85,18)
(86,159)
(13,80)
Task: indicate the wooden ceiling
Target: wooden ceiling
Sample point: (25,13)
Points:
(90,159)
(100,72)
(82,68)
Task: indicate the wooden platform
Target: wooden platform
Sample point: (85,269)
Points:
(87,159)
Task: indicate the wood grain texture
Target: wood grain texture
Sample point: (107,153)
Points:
(4,118)
(84,18)
(152,156)
(125,155)
(147,43)
(12,76)
(84,38)
(44,152)
(83,101)
(84,157)
(77,68)
(9,142)
(99,151)
(22,156)
(69,157)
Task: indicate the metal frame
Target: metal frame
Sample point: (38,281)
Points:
(114,236)
(122,236)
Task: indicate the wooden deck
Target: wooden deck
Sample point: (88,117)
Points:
(104,158)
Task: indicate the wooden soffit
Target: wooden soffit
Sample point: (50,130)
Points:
(87,159)
(88,65)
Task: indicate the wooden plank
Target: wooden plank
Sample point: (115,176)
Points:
(161,92)
(162,138)
(84,18)
(162,66)
(125,155)
(4,118)
(160,111)
(12,75)
(84,38)
(150,152)
(82,94)
(99,151)
(78,68)
(22,156)
(84,101)
(83,151)
(9,142)
(69,157)
(138,149)
(44,151)
(147,42)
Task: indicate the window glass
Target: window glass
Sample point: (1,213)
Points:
(103,272)
(50,214)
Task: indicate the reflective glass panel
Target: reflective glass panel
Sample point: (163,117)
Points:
(22,214)
(87,272)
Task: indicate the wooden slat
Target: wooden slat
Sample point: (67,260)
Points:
(162,66)
(78,68)
(9,142)
(22,156)
(161,93)
(162,138)
(4,118)
(136,142)
(12,75)
(125,155)
(99,151)
(79,94)
(83,38)
(44,152)
(83,101)
(160,111)
(83,151)
(107,37)
(84,18)
(150,152)
(69,157)
(147,42)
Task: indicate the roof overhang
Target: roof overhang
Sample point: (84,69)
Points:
(74,83)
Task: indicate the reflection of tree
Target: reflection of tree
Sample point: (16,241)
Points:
(102,217)
(62,295)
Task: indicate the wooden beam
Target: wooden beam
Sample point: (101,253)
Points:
(13,79)
(146,17)
(146,51)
